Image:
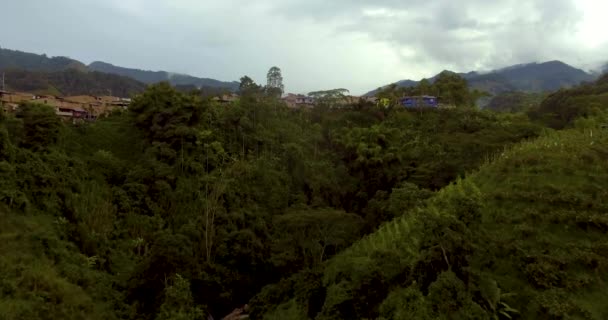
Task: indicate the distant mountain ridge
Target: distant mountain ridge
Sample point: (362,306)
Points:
(150,77)
(530,77)
(14,60)
(71,82)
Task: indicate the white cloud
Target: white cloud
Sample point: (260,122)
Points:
(357,44)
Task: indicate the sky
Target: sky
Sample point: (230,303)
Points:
(318,44)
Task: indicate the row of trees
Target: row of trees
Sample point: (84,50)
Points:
(274,87)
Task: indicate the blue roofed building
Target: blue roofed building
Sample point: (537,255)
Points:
(420,102)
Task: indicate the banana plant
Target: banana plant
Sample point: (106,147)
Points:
(494,298)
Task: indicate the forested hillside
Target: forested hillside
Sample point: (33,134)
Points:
(151,77)
(564,107)
(182,208)
(71,82)
(38,73)
(13,59)
(515,101)
(530,78)
(523,237)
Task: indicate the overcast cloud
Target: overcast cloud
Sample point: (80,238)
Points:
(319,44)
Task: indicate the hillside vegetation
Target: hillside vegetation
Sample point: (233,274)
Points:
(72,82)
(41,74)
(182,208)
(151,77)
(515,101)
(13,59)
(525,237)
(562,108)
(530,78)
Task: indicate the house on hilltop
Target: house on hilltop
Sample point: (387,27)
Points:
(100,105)
(65,109)
(298,101)
(226,98)
(350,100)
(68,108)
(10,100)
(85,100)
(420,102)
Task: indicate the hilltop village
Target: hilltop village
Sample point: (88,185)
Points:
(91,107)
(72,108)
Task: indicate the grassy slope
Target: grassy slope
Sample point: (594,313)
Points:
(542,234)
(546,212)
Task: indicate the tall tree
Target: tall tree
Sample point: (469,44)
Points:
(425,87)
(247,86)
(275,85)
(453,90)
(331,98)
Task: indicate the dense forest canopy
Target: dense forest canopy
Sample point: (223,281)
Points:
(184,208)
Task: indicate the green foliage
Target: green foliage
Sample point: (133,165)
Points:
(13,59)
(6,147)
(71,82)
(40,125)
(515,101)
(515,226)
(183,208)
(562,108)
(178,303)
(248,87)
(288,311)
(313,235)
(405,197)
(450,88)
(274,86)
(330,98)
(169,117)
(531,77)
(45,277)
(405,303)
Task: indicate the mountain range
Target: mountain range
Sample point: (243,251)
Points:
(54,75)
(150,77)
(50,75)
(71,82)
(531,77)
(13,59)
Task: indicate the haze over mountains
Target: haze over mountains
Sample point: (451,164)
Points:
(149,77)
(531,77)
